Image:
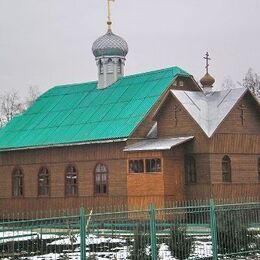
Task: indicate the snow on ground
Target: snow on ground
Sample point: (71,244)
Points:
(90,240)
(202,246)
(24,236)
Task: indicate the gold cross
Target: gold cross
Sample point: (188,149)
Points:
(109,22)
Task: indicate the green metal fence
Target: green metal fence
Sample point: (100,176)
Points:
(187,230)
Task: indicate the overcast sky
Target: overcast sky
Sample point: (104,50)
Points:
(48,42)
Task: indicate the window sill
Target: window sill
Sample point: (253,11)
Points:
(71,196)
(191,183)
(144,173)
(101,195)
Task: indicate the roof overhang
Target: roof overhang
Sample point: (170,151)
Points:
(108,141)
(159,144)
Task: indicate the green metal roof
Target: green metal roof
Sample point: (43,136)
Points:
(80,113)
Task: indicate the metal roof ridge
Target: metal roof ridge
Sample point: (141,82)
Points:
(155,71)
(126,76)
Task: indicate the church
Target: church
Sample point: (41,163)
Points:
(151,137)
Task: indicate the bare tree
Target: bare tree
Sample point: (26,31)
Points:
(252,82)
(33,94)
(228,83)
(10,106)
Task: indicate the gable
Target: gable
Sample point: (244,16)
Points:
(187,83)
(244,117)
(173,120)
(145,127)
(81,113)
(209,109)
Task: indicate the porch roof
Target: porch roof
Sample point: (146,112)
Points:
(157,144)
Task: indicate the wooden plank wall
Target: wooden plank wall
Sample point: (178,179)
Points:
(56,160)
(223,191)
(51,206)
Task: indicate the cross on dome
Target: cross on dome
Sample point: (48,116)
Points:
(109,21)
(207,58)
(207,81)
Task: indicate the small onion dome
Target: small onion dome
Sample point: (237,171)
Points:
(207,80)
(110,44)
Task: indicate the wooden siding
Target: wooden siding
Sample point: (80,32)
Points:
(237,191)
(243,168)
(169,127)
(185,126)
(233,122)
(174,176)
(235,143)
(145,184)
(84,158)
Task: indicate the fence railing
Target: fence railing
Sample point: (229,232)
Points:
(216,191)
(186,230)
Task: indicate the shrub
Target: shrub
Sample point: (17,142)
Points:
(232,234)
(180,244)
(139,250)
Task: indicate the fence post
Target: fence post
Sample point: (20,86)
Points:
(213,229)
(153,232)
(82,234)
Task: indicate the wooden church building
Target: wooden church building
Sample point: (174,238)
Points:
(153,136)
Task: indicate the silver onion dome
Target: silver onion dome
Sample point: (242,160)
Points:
(110,44)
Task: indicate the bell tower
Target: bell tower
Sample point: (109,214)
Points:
(110,51)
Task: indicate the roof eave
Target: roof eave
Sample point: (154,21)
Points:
(196,83)
(64,145)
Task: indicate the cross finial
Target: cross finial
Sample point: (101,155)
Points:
(109,22)
(207,58)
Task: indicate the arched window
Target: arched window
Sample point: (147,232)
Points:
(226,169)
(119,67)
(190,169)
(17,182)
(71,181)
(101,179)
(258,169)
(101,67)
(110,66)
(43,182)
